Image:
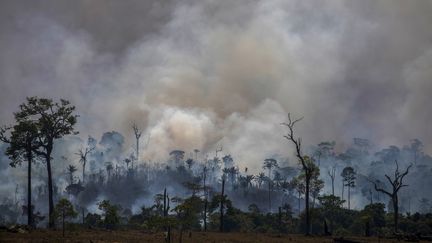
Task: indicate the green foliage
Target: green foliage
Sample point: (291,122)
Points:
(64,208)
(111,218)
(189,212)
(93,220)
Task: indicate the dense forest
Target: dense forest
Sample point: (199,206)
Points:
(100,183)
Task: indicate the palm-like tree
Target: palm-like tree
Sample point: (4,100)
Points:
(127,161)
(189,162)
(269,164)
(71,170)
(249,179)
(109,167)
(260,179)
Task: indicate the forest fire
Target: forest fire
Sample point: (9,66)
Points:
(254,121)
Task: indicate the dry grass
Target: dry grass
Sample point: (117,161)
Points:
(98,236)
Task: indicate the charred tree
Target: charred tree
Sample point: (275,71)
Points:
(332,174)
(221,223)
(396,184)
(83,155)
(306,164)
(137,133)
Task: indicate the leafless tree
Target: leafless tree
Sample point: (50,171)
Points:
(397,184)
(137,133)
(332,174)
(83,154)
(305,162)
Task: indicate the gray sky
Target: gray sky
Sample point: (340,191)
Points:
(197,74)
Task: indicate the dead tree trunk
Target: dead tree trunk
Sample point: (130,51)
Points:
(221,225)
(397,184)
(332,174)
(137,133)
(307,168)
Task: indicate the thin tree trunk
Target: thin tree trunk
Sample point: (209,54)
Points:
(63,222)
(308,222)
(349,198)
(205,197)
(29,191)
(205,215)
(343,189)
(221,207)
(84,164)
(299,201)
(50,192)
(269,182)
(396,212)
(332,181)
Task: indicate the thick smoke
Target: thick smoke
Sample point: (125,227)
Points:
(204,74)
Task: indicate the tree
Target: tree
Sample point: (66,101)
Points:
(127,161)
(299,186)
(332,174)
(374,215)
(232,172)
(222,199)
(83,153)
(137,133)
(269,164)
(110,213)
(305,162)
(260,179)
(71,170)
(64,209)
(330,205)
(396,184)
(22,144)
(53,121)
(109,167)
(189,162)
(349,176)
(177,155)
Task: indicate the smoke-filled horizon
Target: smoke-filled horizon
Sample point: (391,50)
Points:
(204,74)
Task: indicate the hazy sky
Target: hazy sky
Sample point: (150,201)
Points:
(197,74)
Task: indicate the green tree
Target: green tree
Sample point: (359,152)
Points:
(349,176)
(53,121)
(374,216)
(64,209)
(330,206)
(269,164)
(110,214)
(22,144)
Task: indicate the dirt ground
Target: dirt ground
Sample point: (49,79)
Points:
(99,236)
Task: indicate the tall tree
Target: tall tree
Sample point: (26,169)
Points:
(269,164)
(53,120)
(305,162)
(137,133)
(71,170)
(332,175)
(83,154)
(349,176)
(260,179)
(109,167)
(221,223)
(396,184)
(22,144)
